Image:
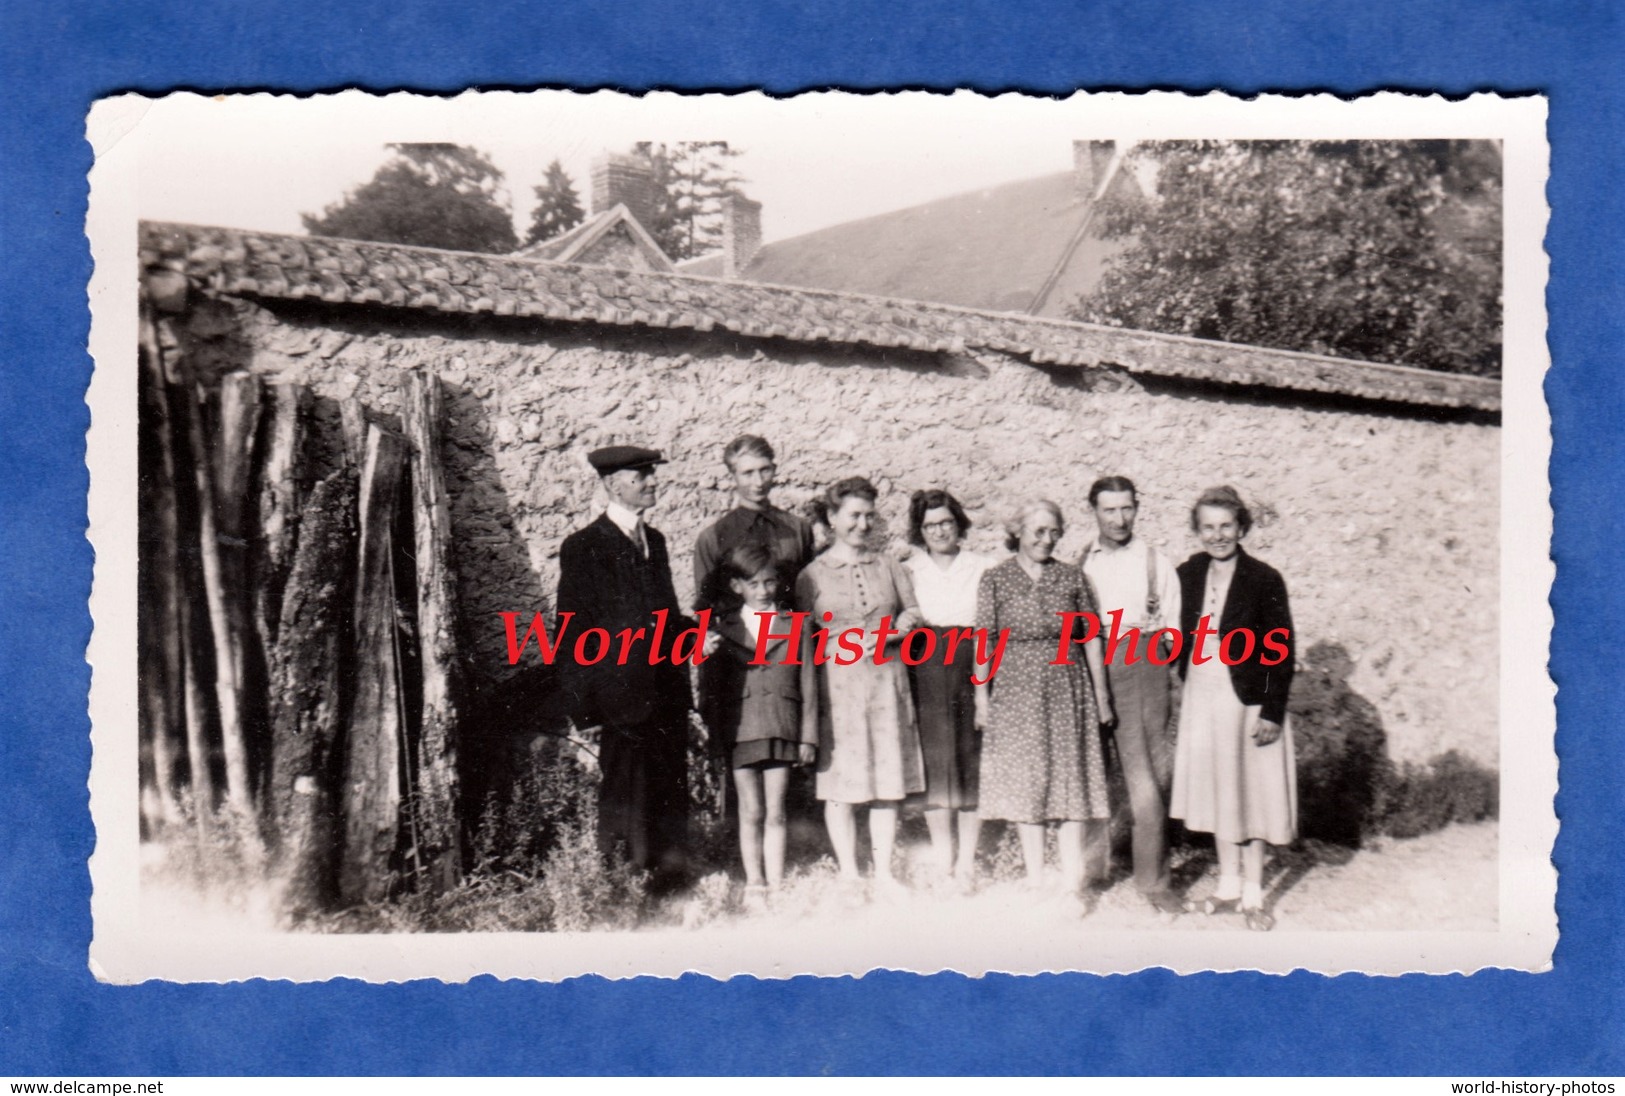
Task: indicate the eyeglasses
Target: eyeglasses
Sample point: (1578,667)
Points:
(940,526)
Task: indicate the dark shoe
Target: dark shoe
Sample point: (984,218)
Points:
(1258,920)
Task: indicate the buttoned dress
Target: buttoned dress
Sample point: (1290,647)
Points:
(1041,756)
(868,749)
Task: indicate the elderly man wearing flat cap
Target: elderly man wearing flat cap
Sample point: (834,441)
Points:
(615,574)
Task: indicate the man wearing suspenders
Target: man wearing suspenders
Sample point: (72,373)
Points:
(1130,575)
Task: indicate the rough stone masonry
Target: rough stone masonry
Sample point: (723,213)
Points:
(1383,515)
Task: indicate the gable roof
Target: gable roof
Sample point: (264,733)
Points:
(351,272)
(577,244)
(990,249)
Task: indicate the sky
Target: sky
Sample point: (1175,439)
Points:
(259,162)
(812,160)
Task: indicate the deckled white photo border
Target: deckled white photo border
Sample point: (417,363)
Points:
(127,949)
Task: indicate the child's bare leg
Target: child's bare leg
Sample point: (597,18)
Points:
(775,828)
(749,784)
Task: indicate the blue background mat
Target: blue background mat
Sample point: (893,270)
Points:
(56,1020)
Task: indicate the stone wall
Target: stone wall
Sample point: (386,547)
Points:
(1384,524)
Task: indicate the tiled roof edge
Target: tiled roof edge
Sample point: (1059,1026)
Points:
(285,267)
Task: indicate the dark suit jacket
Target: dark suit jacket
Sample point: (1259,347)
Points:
(1257,600)
(746,703)
(607,583)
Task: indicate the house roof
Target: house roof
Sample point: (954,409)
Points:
(281,267)
(572,244)
(988,249)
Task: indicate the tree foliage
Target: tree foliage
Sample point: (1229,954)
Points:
(429,195)
(694,177)
(1381,250)
(558,206)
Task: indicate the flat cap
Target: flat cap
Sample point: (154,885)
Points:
(617,458)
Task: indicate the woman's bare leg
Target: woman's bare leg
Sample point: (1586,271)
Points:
(1032,850)
(843,835)
(883,838)
(940,821)
(1252,869)
(1229,870)
(970,832)
(1072,843)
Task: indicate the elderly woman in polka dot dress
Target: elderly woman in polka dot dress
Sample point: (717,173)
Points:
(1041,755)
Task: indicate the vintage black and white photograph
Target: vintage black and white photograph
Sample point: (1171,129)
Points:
(553,534)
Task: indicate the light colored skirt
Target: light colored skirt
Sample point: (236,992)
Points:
(1224,783)
(868,749)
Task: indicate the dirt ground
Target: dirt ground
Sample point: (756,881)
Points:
(1444,881)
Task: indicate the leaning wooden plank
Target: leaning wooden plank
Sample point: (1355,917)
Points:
(353,426)
(159,668)
(278,507)
(372,801)
(196,704)
(307,694)
(241,401)
(439,839)
(228,693)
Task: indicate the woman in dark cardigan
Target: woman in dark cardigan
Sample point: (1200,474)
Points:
(1234,770)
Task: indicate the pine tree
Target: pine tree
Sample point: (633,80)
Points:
(429,195)
(694,177)
(558,206)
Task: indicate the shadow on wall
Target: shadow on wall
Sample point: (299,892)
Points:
(1342,749)
(503,716)
(1349,789)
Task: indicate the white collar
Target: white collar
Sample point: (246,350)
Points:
(625,519)
(1099,547)
(925,561)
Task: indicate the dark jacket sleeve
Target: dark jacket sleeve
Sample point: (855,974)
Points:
(705,562)
(809,687)
(1275,612)
(579,586)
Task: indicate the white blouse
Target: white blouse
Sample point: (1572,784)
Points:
(947,594)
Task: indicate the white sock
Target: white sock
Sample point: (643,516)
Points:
(1229,887)
(1252,897)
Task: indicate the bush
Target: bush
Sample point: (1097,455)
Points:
(1420,799)
(219,852)
(581,891)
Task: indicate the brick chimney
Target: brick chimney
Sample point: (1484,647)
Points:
(741,233)
(620,178)
(1089,162)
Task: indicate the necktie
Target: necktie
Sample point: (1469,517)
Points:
(641,540)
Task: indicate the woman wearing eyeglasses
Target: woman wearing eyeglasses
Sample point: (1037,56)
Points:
(946,577)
